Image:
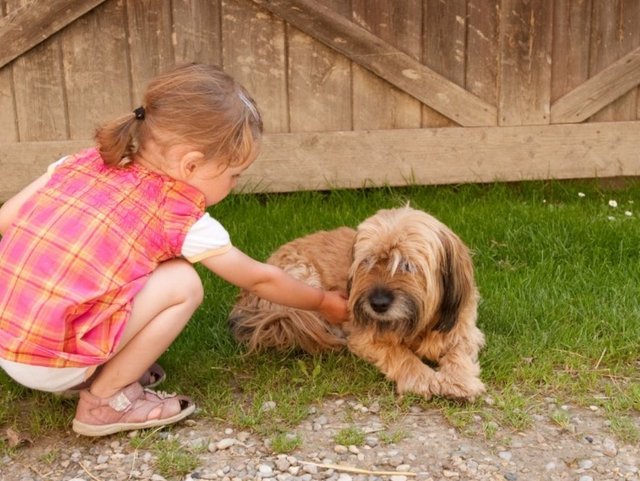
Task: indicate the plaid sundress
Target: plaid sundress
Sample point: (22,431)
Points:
(79,251)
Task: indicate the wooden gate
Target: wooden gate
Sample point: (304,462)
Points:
(353,92)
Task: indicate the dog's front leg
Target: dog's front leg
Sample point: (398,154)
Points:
(459,373)
(396,361)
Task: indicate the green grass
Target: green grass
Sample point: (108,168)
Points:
(558,272)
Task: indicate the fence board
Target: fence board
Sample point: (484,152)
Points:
(376,104)
(444,48)
(615,81)
(571,32)
(29,23)
(196,27)
(254,53)
(324,160)
(482,50)
(319,82)
(525,62)
(95,70)
(150,46)
(615,33)
(383,59)
(8,129)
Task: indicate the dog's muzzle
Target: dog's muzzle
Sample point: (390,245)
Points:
(380,300)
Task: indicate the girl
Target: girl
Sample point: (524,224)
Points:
(95,256)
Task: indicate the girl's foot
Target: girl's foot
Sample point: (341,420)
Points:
(131,408)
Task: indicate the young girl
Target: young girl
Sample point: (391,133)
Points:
(95,256)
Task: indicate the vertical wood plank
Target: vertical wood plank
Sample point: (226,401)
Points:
(319,84)
(39,90)
(8,128)
(481,76)
(196,29)
(571,33)
(150,46)
(376,104)
(253,51)
(615,32)
(444,48)
(96,68)
(525,64)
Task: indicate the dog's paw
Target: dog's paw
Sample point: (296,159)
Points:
(467,388)
(424,385)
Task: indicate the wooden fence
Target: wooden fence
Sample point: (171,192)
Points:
(353,92)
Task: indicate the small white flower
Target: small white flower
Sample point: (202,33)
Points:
(628,213)
(581,194)
(610,217)
(613,203)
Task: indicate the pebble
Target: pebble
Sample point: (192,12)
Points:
(429,448)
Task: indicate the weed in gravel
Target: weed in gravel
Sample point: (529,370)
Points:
(173,459)
(351,436)
(284,443)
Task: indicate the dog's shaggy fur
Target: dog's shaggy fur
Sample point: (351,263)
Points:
(412,296)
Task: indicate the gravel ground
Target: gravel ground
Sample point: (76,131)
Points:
(427,448)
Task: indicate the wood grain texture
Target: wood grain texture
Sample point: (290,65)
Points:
(376,103)
(525,62)
(616,81)
(384,60)
(482,49)
(254,53)
(96,70)
(150,45)
(615,33)
(196,31)
(444,48)
(39,88)
(571,34)
(318,81)
(30,23)
(325,160)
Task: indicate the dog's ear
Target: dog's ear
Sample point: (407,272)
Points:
(456,271)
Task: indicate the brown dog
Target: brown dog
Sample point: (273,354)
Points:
(412,296)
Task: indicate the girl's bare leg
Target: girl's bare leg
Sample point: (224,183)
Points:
(159,313)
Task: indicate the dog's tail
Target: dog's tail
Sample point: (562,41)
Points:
(283,330)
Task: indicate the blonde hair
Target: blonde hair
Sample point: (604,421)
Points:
(194,104)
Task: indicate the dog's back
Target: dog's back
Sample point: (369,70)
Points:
(321,260)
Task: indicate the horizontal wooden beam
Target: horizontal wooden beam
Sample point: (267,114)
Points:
(27,26)
(599,91)
(383,59)
(320,161)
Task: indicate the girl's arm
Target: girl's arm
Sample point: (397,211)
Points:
(273,284)
(9,210)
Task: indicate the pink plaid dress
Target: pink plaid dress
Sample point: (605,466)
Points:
(79,252)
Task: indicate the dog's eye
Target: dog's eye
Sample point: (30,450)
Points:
(407,267)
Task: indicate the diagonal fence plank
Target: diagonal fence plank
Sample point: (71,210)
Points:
(386,61)
(599,91)
(31,24)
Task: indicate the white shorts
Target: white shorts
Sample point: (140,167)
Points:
(43,378)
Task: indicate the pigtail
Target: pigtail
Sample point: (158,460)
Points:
(118,139)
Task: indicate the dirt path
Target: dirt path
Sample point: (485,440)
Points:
(420,445)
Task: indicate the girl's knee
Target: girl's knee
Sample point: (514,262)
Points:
(186,281)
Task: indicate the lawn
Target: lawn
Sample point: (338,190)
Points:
(558,268)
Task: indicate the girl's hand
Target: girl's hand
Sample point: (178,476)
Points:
(334,307)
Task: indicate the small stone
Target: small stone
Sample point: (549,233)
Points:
(586,478)
(268,406)
(511,476)
(609,447)
(506,455)
(225,443)
(585,464)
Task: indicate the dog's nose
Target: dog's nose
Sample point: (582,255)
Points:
(380,300)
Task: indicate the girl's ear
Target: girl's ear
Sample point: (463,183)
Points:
(189,162)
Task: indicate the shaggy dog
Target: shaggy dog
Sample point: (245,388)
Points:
(412,296)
